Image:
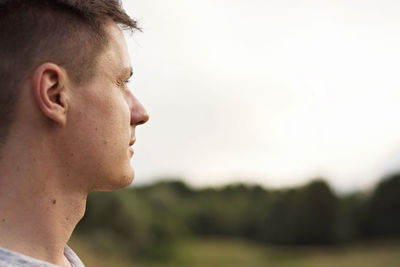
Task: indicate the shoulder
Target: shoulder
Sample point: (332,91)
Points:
(10,258)
(73,259)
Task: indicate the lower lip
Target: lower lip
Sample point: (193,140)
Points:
(131,152)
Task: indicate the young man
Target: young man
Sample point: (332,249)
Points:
(67,121)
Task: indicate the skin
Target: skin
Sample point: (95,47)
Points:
(67,141)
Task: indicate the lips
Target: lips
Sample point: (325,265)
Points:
(131,152)
(130,149)
(132,142)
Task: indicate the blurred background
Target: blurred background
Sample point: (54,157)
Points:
(274,137)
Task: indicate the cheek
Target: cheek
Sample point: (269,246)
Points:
(118,116)
(104,125)
(114,125)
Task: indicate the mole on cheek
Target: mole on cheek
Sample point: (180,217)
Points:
(54,201)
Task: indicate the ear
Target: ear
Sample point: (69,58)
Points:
(49,87)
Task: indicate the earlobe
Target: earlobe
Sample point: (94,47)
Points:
(49,87)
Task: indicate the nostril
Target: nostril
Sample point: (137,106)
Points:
(139,114)
(139,118)
(146,117)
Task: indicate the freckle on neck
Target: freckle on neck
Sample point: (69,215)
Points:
(54,201)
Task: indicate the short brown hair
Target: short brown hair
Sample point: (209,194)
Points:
(69,33)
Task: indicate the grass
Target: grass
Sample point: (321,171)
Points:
(235,253)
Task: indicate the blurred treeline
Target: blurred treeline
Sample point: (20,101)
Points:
(145,221)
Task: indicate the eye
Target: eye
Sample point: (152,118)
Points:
(123,83)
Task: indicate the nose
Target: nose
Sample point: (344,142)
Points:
(139,114)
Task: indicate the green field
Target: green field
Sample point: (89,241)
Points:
(235,253)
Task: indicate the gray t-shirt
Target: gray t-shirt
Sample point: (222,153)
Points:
(10,258)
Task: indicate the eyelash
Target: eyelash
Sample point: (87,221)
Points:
(123,83)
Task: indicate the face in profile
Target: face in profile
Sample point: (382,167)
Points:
(103,115)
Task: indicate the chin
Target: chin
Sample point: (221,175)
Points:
(128,179)
(118,182)
(125,180)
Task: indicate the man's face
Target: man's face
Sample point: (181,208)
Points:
(101,122)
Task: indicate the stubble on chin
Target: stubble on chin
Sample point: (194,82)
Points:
(112,184)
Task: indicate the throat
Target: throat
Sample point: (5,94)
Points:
(43,226)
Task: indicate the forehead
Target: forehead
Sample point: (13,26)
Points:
(115,57)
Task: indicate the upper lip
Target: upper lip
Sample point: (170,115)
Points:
(133,140)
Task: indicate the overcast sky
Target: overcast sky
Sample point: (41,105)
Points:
(269,92)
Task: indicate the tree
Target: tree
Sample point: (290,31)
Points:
(382,211)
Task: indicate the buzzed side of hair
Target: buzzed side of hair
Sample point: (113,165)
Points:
(69,33)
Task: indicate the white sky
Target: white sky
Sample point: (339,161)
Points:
(270,92)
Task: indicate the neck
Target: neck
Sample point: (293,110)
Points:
(39,209)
